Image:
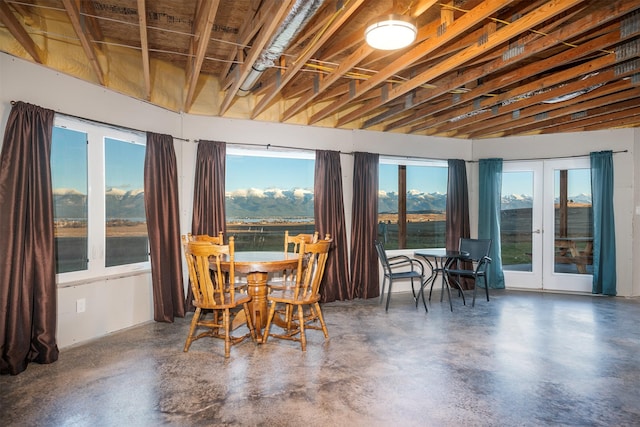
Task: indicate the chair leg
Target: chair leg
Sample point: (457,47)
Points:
(475,288)
(192,329)
(272,312)
(384,282)
(388,295)
(303,337)
(227,332)
(486,287)
(319,314)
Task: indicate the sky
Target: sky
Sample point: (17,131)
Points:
(244,172)
(125,162)
(579,182)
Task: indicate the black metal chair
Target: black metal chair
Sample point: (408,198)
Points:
(389,264)
(474,266)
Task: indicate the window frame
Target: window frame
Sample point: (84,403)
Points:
(96,210)
(407,162)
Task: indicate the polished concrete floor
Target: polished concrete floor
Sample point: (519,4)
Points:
(522,359)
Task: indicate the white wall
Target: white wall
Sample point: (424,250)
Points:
(122,302)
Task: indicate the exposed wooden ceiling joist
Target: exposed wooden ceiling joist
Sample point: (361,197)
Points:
(477,68)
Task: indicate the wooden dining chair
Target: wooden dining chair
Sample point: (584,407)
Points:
(216,240)
(305,293)
(211,292)
(292,242)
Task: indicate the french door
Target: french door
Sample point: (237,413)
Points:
(546,225)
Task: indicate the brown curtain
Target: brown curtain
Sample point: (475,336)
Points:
(163,225)
(28,293)
(208,194)
(329,218)
(457,224)
(364,227)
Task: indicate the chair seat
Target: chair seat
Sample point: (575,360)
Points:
(288,296)
(239,299)
(461,272)
(406,275)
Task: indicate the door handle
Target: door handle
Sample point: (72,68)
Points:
(537,231)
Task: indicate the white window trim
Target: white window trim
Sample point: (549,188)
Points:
(95,188)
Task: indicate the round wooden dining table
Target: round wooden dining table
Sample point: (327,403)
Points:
(257,265)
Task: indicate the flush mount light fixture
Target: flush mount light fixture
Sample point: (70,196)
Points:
(390,32)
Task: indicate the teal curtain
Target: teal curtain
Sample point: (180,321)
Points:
(604,233)
(489,217)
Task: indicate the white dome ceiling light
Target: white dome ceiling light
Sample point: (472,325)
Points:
(390,32)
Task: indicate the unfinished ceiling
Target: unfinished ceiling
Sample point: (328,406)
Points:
(477,68)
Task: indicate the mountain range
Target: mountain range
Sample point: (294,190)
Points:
(270,203)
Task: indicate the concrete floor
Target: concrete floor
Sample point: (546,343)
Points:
(523,359)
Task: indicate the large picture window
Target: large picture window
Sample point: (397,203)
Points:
(412,203)
(267,193)
(99,215)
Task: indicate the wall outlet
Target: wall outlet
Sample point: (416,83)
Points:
(81,305)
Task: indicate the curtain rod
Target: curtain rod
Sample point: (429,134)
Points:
(551,158)
(308,149)
(267,146)
(107,123)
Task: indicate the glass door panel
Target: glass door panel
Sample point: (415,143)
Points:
(521,224)
(568,260)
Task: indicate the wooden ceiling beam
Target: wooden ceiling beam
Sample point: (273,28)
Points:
(249,29)
(503,35)
(618,102)
(274,18)
(291,72)
(536,68)
(459,27)
(88,12)
(537,116)
(19,33)
(522,93)
(199,44)
(74,16)
(599,117)
(581,26)
(144,47)
(532,110)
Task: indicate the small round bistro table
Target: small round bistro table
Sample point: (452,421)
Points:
(442,258)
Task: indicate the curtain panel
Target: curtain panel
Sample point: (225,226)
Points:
(365,274)
(457,222)
(329,218)
(604,230)
(208,189)
(28,293)
(163,225)
(490,193)
(208,195)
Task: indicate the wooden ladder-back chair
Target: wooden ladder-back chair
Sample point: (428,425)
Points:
(211,291)
(306,293)
(292,243)
(216,240)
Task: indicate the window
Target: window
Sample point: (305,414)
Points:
(99,216)
(267,193)
(412,203)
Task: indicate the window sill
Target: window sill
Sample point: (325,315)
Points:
(89,280)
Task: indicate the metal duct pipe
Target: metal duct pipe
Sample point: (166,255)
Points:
(298,16)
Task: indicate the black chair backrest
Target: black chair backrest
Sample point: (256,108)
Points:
(477,248)
(383,257)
